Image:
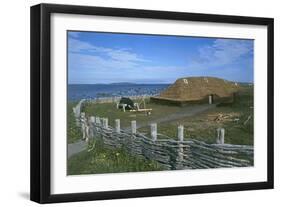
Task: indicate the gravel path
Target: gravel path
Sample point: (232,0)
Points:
(75,148)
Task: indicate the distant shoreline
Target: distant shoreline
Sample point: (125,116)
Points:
(104,91)
(110,99)
(108,84)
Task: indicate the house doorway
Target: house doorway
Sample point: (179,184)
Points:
(211,99)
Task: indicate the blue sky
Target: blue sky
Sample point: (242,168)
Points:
(95,58)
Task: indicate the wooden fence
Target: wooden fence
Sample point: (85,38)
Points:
(115,99)
(170,153)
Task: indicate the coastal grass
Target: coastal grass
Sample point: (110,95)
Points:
(110,111)
(98,158)
(202,126)
(101,159)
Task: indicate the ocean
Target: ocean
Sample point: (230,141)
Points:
(77,92)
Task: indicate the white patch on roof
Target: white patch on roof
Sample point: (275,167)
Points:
(185,81)
(206,79)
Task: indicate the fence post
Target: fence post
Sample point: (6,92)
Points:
(180,133)
(220,135)
(101,121)
(92,125)
(105,123)
(180,152)
(153,128)
(83,114)
(85,129)
(117,125)
(98,124)
(134,127)
(98,120)
(92,119)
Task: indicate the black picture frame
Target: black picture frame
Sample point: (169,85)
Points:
(41,102)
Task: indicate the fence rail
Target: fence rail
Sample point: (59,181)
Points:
(168,152)
(116,99)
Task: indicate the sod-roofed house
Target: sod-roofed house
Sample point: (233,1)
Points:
(198,90)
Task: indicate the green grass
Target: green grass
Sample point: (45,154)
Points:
(201,128)
(109,110)
(101,159)
(73,132)
(105,160)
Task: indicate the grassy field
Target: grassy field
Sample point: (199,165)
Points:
(99,159)
(109,110)
(202,126)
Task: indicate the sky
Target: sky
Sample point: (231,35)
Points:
(103,58)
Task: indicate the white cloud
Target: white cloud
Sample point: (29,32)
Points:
(123,55)
(78,46)
(86,62)
(74,34)
(96,69)
(119,56)
(103,64)
(222,52)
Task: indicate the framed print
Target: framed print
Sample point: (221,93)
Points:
(133,103)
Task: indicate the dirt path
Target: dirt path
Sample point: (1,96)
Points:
(185,112)
(75,148)
(79,146)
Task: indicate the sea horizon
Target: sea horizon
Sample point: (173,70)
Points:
(121,83)
(91,91)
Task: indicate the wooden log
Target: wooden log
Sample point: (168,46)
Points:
(124,107)
(223,158)
(249,117)
(140,110)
